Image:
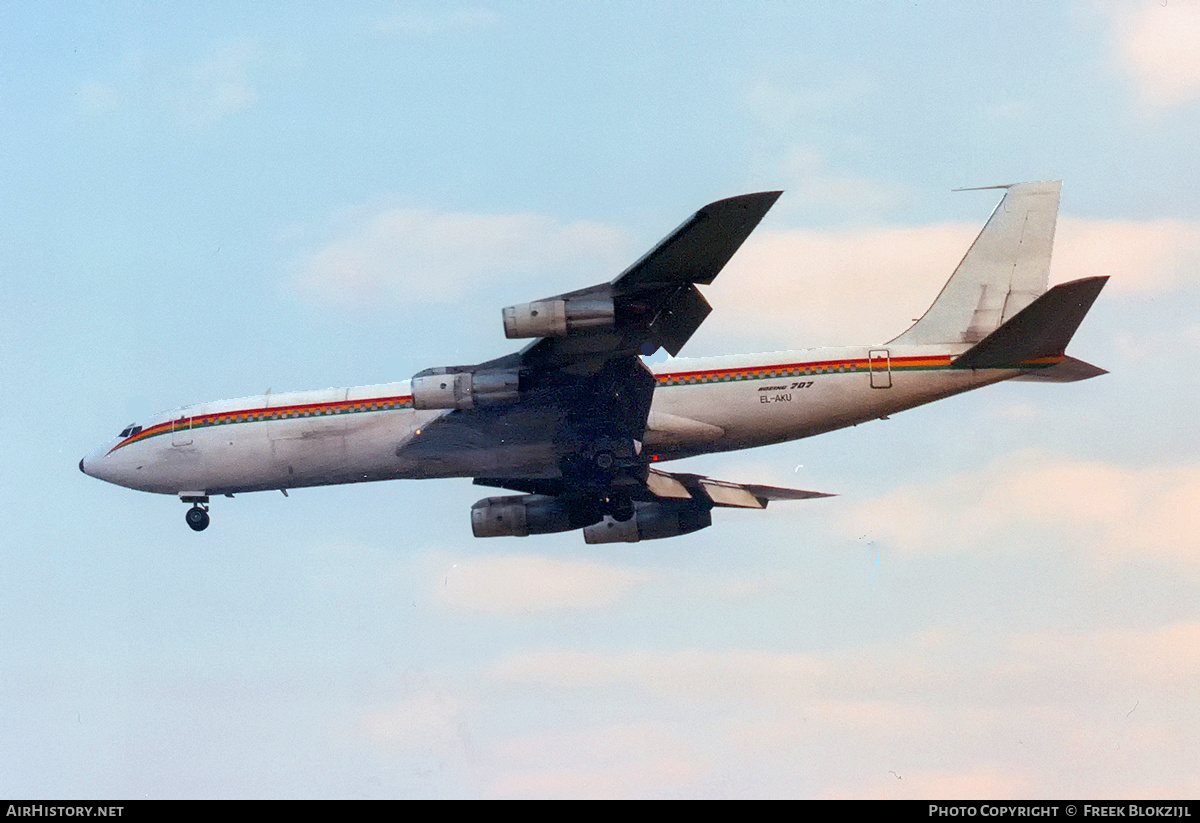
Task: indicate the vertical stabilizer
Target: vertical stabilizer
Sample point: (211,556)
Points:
(1003,272)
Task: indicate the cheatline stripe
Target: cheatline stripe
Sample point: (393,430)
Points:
(800,370)
(338,407)
(862,364)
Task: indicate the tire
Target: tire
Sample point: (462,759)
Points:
(197,518)
(621,509)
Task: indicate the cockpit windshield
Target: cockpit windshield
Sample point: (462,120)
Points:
(129,431)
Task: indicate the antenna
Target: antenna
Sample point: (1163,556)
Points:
(985,188)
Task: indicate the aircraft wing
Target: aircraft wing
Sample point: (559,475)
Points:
(663,504)
(563,418)
(654,302)
(583,370)
(662,486)
(589,365)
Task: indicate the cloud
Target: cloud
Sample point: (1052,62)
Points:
(944,713)
(1107,512)
(1158,45)
(1147,257)
(429,722)
(97,99)
(619,761)
(784,288)
(1144,347)
(519,584)
(796,288)
(968,783)
(218,86)
(804,287)
(1098,663)
(783,109)
(399,256)
(723,675)
(817,191)
(194,96)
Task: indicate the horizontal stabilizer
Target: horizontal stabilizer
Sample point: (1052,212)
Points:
(1067,371)
(1041,329)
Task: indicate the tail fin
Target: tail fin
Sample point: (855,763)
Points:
(1039,334)
(1003,272)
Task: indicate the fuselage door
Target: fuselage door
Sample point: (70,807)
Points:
(881,368)
(181,431)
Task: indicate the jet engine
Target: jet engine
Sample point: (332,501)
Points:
(558,317)
(524,514)
(650,521)
(443,388)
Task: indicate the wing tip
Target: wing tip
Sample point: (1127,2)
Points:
(763,199)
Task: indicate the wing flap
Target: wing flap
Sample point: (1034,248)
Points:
(662,484)
(721,492)
(678,320)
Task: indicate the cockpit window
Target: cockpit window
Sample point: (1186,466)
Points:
(129,431)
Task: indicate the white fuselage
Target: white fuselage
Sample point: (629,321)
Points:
(281,441)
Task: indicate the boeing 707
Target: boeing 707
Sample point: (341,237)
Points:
(578,425)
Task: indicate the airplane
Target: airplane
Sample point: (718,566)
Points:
(577,424)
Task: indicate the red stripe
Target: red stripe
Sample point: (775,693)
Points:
(924,360)
(242,415)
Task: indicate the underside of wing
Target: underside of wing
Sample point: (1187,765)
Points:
(673,485)
(664,504)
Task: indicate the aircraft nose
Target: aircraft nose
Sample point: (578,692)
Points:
(91,464)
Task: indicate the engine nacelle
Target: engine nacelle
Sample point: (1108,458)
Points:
(650,521)
(520,515)
(558,318)
(443,389)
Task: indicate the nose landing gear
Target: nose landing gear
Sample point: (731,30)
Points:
(197,515)
(197,518)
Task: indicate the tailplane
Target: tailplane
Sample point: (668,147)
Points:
(1004,271)
(1067,370)
(1037,337)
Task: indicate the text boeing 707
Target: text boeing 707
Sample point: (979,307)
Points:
(578,424)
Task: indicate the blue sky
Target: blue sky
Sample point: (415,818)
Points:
(208,201)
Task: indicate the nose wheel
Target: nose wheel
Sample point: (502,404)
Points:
(197,515)
(197,518)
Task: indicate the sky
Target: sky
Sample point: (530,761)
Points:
(203,201)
